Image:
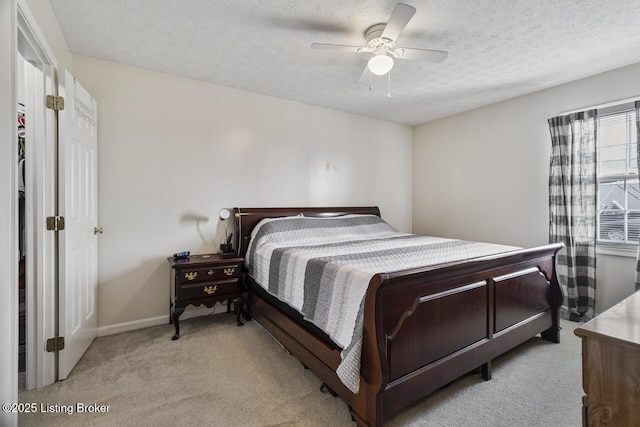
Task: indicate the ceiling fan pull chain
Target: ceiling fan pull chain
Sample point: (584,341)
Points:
(389,84)
(370,84)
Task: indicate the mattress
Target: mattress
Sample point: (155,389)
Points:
(321,268)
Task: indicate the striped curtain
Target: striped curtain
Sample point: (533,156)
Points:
(638,152)
(572,209)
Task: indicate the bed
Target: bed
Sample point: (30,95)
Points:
(420,327)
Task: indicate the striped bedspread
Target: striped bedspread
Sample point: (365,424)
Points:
(322,268)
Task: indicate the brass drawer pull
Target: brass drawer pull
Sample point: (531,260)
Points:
(191,275)
(229,271)
(210,272)
(210,289)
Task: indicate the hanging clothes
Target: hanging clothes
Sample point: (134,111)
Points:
(21,180)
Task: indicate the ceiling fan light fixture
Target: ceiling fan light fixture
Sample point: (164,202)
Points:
(380,64)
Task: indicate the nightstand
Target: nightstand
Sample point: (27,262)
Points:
(203,279)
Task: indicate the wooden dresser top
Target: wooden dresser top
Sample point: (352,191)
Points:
(621,322)
(193,260)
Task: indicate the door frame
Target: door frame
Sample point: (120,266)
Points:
(41,169)
(8,211)
(40,200)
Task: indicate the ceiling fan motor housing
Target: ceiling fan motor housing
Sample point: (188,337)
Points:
(374,39)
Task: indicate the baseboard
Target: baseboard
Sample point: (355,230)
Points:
(159,320)
(132,326)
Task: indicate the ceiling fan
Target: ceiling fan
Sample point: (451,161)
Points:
(381,43)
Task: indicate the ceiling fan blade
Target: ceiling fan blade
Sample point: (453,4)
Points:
(399,19)
(341,47)
(436,56)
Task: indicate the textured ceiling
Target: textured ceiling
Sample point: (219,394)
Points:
(498,49)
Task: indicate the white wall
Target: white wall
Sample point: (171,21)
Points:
(172,150)
(483,175)
(20,89)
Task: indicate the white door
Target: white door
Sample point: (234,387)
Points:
(78,204)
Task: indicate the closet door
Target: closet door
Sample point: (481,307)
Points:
(78,204)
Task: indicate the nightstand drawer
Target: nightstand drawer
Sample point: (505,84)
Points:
(207,289)
(222,272)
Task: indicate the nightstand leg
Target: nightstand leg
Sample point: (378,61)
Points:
(176,312)
(239,303)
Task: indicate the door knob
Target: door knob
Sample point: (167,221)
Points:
(97,230)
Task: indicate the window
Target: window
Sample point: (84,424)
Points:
(618,185)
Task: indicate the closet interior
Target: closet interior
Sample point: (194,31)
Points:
(21,237)
(22,119)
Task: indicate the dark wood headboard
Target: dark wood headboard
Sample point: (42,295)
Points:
(247,218)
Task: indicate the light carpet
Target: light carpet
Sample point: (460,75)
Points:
(219,374)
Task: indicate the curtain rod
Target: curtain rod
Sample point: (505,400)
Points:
(600,106)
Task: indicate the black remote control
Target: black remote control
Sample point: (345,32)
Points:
(181,255)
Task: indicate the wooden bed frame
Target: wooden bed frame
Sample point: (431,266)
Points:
(423,327)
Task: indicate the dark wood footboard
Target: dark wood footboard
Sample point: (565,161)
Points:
(425,327)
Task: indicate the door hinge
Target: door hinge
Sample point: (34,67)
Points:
(55,223)
(55,102)
(55,344)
